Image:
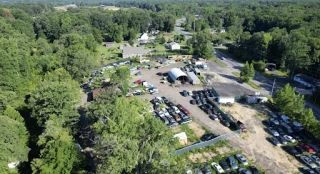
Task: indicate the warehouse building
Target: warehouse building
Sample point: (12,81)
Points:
(193,78)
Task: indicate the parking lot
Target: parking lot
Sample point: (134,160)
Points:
(253,143)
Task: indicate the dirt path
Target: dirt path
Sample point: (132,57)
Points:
(255,144)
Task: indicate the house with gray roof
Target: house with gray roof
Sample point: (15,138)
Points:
(128,52)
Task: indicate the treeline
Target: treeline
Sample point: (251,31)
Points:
(45,55)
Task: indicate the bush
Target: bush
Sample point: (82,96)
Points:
(259,66)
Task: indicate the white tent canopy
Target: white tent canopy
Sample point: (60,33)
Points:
(176,73)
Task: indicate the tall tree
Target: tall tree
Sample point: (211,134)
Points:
(247,72)
(121,78)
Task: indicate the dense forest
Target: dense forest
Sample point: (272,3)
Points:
(46,55)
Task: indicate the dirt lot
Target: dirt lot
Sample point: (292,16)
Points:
(253,144)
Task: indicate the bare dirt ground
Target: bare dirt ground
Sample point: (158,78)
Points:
(255,145)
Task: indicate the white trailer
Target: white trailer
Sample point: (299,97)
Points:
(225,100)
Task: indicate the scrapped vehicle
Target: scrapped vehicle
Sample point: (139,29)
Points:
(315,158)
(242,159)
(244,171)
(254,170)
(232,162)
(291,150)
(289,138)
(207,137)
(275,141)
(273,131)
(224,165)
(217,167)
(308,161)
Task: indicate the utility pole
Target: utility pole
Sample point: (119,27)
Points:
(274,82)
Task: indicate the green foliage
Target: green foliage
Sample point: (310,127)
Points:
(162,40)
(259,66)
(58,151)
(247,72)
(58,95)
(140,143)
(201,44)
(13,144)
(121,78)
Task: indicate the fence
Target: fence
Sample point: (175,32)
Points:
(207,143)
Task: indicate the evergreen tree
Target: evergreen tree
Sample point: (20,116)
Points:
(247,72)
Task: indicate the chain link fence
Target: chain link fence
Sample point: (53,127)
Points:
(207,143)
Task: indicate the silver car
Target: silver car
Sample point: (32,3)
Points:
(315,158)
(273,131)
(232,162)
(242,159)
(308,161)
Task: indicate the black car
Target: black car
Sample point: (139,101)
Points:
(209,111)
(300,149)
(232,172)
(170,104)
(280,131)
(159,73)
(291,150)
(184,93)
(225,123)
(207,137)
(297,137)
(206,168)
(198,102)
(224,165)
(282,139)
(209,106)
(254,170)
(165,99)
(193,102)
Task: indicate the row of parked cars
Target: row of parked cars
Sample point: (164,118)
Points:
(287,133)
(231,164)
(172,115)
(202,99)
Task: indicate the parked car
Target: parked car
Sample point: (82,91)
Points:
(281,131)
(224,165)
(289,138)
(225,123)
(254,170)
(214,117)
(273,131)
(244,171)
(291,150)
(317,169)
(300,149)
(165,120)
(307,148)
(275,141)
(176,110)
(198,171)
(217,167)
(315,158)
(282,140)
(242,159)
(308,161)
(206,169)
(165,100)
(306,170)
(274,121)
(207,137)
(193,102)
(232,162)
(184,93)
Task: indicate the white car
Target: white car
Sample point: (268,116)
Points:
(161,114)
(289,138)
(308,161)
(217,167)
(242,159)
(315,158)
(176,110)
(190,93)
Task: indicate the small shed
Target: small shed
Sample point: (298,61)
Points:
(193,78)
(182,136)
(174,46)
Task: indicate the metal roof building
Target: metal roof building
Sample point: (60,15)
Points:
(177,74)
(193,78)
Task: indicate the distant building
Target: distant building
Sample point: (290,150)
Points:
(71,6)
(109,44)
(174,46)
(304,80)
(144,36)
(128,52)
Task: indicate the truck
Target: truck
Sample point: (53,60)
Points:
(225,100)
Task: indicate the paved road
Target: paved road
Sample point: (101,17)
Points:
(234,66)
(180,30)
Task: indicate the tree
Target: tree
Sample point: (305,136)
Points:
(139,144)
(58,152)
(201,43)
(162,40)
(58,95)
(121,78)
(14,140)
(247,72)
(288,102)
(259,66)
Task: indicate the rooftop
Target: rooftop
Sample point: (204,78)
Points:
(134,50)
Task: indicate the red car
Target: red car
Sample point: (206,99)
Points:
(307,148)
(183,109)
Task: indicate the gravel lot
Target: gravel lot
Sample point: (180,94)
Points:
(253,143)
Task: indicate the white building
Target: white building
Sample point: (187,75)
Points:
(144,36)
(174,46)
